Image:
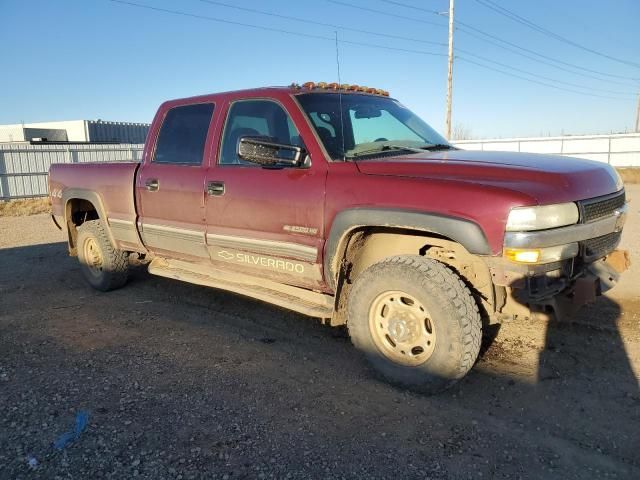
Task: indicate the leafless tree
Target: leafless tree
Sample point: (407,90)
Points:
(461,132)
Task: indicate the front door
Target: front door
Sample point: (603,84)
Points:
(170,184)
(265,221)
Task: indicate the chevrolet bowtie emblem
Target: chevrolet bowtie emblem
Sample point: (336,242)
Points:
(225,255)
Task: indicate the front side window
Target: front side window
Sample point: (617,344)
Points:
(183,134)
(256,118)
(353,126)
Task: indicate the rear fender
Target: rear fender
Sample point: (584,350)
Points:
(71,194)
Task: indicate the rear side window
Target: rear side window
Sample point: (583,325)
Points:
(183,134)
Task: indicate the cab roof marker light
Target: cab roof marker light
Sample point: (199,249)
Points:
(345,86)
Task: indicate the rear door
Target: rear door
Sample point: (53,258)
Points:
(266,221)
(170,185)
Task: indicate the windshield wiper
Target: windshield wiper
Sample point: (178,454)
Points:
(438,146)
(384,148)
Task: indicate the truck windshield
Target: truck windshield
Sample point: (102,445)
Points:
(359,126)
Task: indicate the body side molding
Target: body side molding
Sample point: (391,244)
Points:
(297,251)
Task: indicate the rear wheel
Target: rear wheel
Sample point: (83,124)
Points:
(415,321)
(104,267)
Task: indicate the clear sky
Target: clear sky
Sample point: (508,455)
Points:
(90,59)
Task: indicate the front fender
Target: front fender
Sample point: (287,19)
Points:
(465,232)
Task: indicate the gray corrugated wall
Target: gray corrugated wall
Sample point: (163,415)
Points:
(117,132)
(24,167)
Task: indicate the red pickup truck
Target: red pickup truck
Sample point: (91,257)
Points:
(338,202)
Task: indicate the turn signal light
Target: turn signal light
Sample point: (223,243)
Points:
(542,255)
(522,256)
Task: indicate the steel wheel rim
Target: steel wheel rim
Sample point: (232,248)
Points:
(402,328)
(92,256)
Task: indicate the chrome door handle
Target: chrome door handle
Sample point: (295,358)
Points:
(152,184)
(215,189)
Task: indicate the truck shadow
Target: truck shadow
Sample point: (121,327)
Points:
(562,357)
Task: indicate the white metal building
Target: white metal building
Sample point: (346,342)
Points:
(96,131)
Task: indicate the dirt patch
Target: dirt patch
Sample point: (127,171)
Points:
(182,381)
(630,175)
(27,206)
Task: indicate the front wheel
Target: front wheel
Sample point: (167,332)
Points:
(416,322)
(104,267)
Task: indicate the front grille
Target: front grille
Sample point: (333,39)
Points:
(598,247)
(596,208)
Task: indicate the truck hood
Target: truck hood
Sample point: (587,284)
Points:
(545,178)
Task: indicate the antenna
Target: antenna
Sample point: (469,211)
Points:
(344,158)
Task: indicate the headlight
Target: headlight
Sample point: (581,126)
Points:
(543,217)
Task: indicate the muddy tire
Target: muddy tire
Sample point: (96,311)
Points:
(416,322)
(104,267)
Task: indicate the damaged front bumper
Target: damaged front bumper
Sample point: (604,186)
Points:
(556,292)
(562,286)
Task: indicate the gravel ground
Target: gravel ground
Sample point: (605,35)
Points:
(182,382)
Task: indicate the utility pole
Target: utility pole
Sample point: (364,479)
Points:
(638,115)
(450,74)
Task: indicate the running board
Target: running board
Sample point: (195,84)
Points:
(299,300)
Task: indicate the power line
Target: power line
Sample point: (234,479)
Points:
(273,29)
(219,20)
(493,69)
(364,44)
(523,21)
(395,15)
(533,52)
(322,24)
(303,20)
(406,5)
(397,37)
(544,62)
(533,74)
(462,26)
(313,22)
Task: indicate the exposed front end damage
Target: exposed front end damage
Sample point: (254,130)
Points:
(560,292)
(590,267)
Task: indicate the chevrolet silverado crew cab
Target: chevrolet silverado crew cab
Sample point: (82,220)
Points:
(336,201)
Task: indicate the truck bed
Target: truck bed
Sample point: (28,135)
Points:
(110,185)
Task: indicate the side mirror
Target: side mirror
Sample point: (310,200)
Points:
(270,154)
